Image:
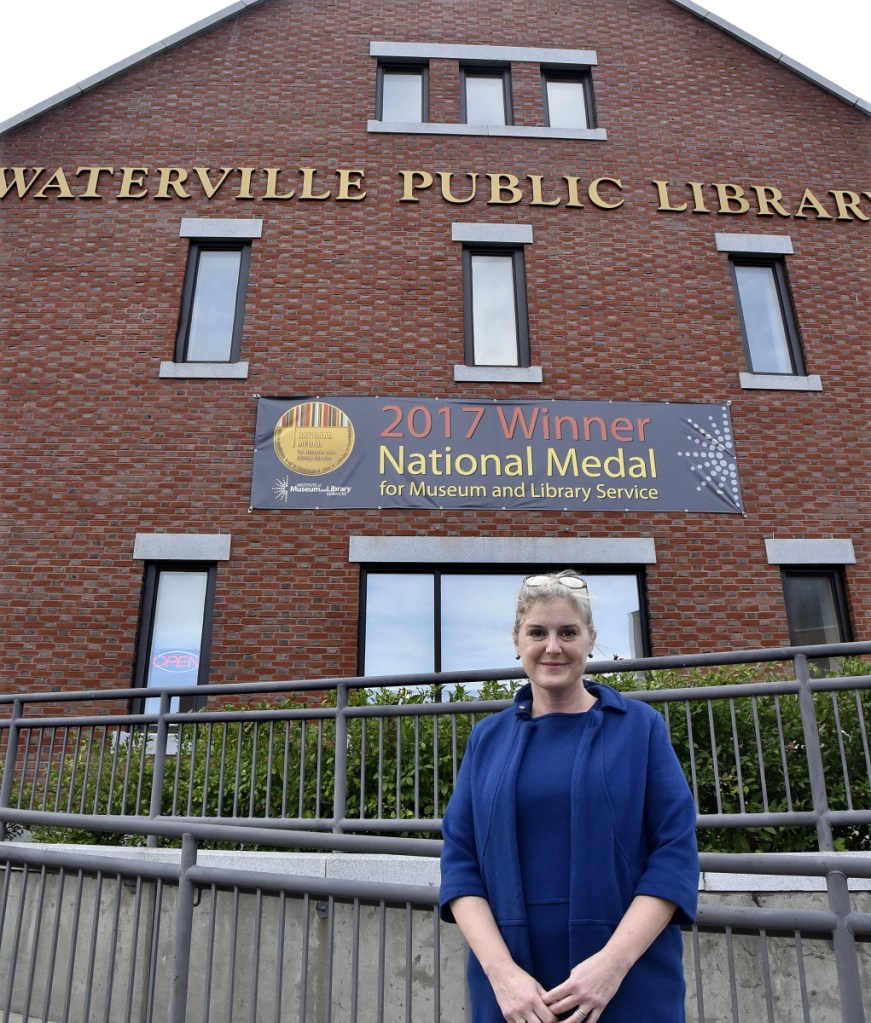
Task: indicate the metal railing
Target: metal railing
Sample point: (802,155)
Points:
(768,761)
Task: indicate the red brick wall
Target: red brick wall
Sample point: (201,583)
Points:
(366,298)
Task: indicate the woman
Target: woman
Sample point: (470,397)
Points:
(569,857)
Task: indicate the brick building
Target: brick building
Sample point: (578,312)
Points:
(323,323)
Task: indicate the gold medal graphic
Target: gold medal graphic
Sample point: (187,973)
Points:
(313,438)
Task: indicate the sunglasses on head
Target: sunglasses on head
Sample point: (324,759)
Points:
(572,582)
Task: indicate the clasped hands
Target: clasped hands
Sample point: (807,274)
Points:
(585,992)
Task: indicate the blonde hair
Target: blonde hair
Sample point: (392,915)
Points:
(550,586)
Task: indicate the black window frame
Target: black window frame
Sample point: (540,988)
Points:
(192,270)
(835,575)
(145,632)
(438,571)
(777,265)
(521,306)
(561,74)
(402,67)
(487,71)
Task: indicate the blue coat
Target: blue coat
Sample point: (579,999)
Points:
(633,833)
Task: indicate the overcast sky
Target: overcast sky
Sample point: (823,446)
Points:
(48,46)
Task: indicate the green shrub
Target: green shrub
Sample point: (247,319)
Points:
(403,767)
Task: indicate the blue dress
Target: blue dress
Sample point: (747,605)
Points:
(543,799)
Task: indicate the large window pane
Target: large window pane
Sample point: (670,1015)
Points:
(402,96)
(213,311)
(477,618)
(494,311)
(177,631)
(485,99)
(399,624)
(459,621)
(767,338)
(566,103)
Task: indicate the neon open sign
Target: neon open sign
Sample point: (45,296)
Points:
(176,661)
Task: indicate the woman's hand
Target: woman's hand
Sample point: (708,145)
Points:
(589,987)
(520,996)
(594,982)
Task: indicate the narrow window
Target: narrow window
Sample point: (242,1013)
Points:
(402,93)
(816,606)
(496,324)
(767,319)
(567,100)
(213,303)
(487,96)
(175,628)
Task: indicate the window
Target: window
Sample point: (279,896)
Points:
(496,325)
(216,281)
(178,594)
(816,606)
(567,99)
(770,332)
(402,93)
(175,628)
(424,619)
(486,95)
(485,90)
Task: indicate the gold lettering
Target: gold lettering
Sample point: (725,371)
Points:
(93,180)
(411,181)
(768,195)
(22,185)
(537,199)
(597,200)
(574,194)
(809,199)
(346,182)
(174,178)
(308,178)
(846,201)
(246,174)
(58,180)
(731,193)
(502,183)
(665,205)
(272,185)
(208,188)
(447,193)
(698,197)
(132,177)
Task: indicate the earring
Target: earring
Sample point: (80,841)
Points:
(517,657)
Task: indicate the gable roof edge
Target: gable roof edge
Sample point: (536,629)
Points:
(844,95)
(95,80)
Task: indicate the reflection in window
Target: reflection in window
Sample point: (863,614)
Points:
(486,97)
(815,607)
(173,629)
(766,316)
(210,328)
(495,309)
(566,101)
(457,621)
(402,95)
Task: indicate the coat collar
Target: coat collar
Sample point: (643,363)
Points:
(609,699)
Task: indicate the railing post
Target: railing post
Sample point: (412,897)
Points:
(846,951)
(184,921)
(340,763)
(9,766)
(159,772)
(814,754)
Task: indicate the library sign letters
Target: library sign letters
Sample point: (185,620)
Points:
(365,452)
(411,186)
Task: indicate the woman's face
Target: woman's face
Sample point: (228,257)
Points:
(554,644)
